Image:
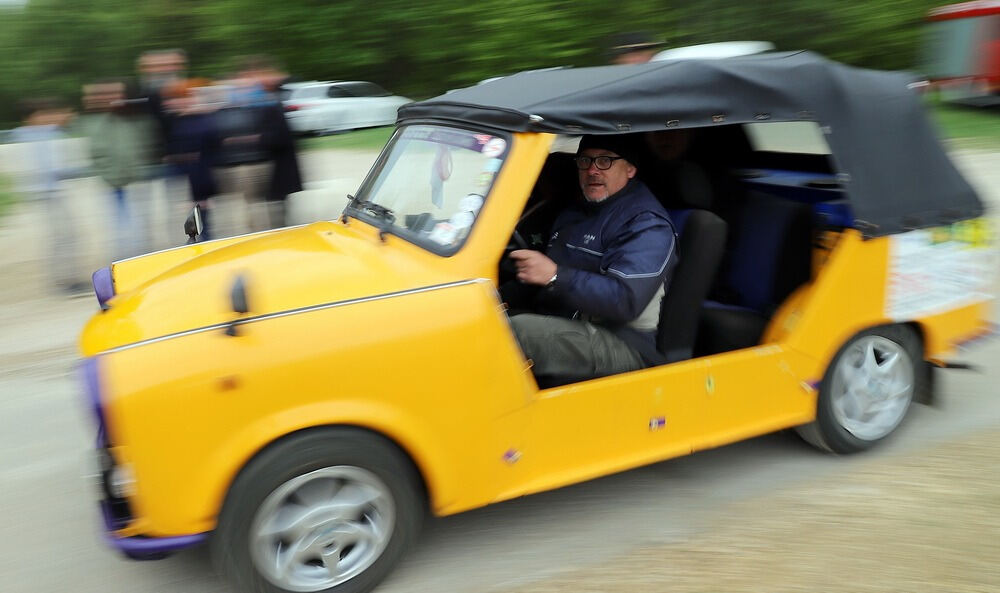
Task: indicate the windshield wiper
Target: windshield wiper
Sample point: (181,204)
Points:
(372,209)
(383,216)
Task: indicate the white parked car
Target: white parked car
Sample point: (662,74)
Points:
(722,49)
(332,106)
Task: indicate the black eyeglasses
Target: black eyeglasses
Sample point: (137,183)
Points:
(602,162)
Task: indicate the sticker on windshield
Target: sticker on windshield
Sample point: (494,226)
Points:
(493,165)
(484,179)
(494,147)
(471,203)
(462,220)
(444,234)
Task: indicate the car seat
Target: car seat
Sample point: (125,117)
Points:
(700,246)
(770,256)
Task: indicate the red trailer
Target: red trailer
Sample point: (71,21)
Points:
(963,52)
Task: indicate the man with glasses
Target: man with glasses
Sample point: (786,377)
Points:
(595,293)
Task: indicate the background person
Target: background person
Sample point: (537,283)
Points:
(157,70)
(194,144)
(276,142)
(120,134)
(44,132)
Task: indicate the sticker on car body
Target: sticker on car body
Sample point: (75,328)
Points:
(940,269)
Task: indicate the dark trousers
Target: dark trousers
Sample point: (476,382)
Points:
(568,350)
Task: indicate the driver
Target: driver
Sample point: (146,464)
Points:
(594,295)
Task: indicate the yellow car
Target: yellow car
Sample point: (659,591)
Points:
(301,398)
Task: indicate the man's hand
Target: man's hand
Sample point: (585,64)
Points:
(533,267)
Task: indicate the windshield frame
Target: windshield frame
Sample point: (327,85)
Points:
(357,209)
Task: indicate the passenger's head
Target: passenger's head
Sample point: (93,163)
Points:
(668,145)
(633,48)
(605,165)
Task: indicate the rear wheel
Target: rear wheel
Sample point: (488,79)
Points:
(329,510)
(867,389)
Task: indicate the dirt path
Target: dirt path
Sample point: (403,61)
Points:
(927,521)
(918,515)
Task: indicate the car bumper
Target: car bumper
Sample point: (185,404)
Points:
(303,123)
(140,547)
(115,510)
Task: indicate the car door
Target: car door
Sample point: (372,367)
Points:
(597,427)
(371,105)
(339,109)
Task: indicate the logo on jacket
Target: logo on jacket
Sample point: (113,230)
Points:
(588,238)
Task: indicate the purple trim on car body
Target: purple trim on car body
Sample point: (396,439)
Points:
(92,390)
(141,546)
(104,286)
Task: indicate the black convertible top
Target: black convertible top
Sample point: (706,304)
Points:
(885,151)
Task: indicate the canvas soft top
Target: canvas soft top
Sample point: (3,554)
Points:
(886,153)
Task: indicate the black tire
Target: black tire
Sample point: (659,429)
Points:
(830,432)
(305,454)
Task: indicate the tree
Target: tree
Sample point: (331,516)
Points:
(420,49)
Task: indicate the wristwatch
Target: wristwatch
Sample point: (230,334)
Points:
(552,280)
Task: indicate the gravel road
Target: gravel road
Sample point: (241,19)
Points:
(921,513)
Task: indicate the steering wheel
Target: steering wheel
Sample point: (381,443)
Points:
(507,268)
(516,242)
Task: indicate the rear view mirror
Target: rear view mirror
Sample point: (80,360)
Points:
(193,226)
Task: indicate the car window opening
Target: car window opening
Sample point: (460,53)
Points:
(757,207)
(454,171)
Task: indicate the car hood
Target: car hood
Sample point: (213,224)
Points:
(300,267)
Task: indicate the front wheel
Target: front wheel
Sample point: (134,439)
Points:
(330,510)
(867,389)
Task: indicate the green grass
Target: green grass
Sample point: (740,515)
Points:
(368,139)
(7,197)
(967,125)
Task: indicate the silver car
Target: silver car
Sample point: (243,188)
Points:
(321,107)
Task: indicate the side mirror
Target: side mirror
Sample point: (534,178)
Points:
(239,302)
(193,226)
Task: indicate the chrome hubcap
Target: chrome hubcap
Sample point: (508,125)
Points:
(322,528)
(872,387)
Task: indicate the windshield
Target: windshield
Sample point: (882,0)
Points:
(430,184)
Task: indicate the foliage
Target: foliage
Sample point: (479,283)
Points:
(973,127)
(419,49)
(368,139)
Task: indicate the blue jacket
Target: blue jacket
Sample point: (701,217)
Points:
(613,257)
